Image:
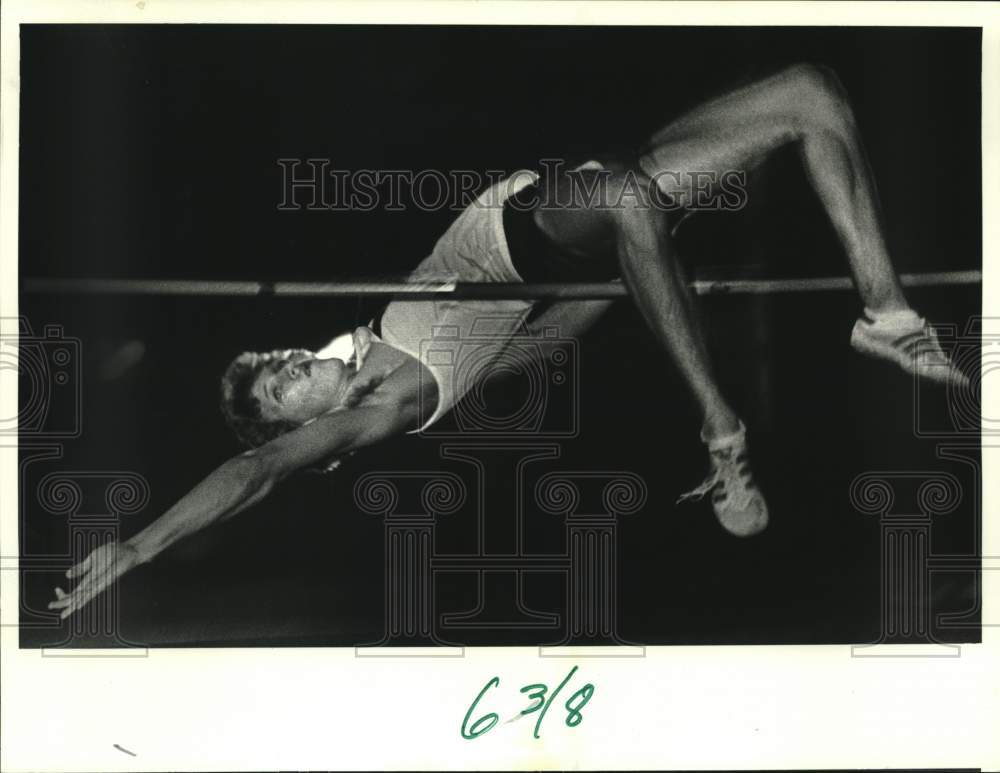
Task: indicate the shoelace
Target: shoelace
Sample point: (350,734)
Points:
(734,475)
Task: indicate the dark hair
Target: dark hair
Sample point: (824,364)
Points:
(239,406)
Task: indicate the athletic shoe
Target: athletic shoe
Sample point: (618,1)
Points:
(738,504)
(907,340)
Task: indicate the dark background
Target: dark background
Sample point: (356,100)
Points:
(151,151)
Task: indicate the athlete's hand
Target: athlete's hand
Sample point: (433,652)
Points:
(94,574)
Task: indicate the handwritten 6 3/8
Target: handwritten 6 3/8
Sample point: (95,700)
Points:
(536,692)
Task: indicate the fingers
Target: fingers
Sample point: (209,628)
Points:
(68,603)
(79,598)
(95,574)
(63,600)
(80,568)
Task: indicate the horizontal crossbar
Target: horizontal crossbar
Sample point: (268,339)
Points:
(471,290)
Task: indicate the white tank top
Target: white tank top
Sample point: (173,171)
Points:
(457,340)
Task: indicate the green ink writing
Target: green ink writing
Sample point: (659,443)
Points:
(539,695)
(538,724)
(541,701)
(475,731)
(573,715)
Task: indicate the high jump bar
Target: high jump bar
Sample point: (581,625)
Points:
(470,290)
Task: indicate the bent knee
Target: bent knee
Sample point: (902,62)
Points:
(816,79)
(819,99)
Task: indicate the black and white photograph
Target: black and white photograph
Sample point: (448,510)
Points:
(399,339)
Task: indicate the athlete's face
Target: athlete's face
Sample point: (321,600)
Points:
(300,388)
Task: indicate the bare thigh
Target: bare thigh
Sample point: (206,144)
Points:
(735,132)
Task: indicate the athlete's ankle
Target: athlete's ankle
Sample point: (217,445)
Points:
(894,313)
(720,424)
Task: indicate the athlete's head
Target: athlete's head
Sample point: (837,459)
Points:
(266,394)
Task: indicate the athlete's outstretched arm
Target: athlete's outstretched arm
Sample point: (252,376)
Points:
(246,479)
